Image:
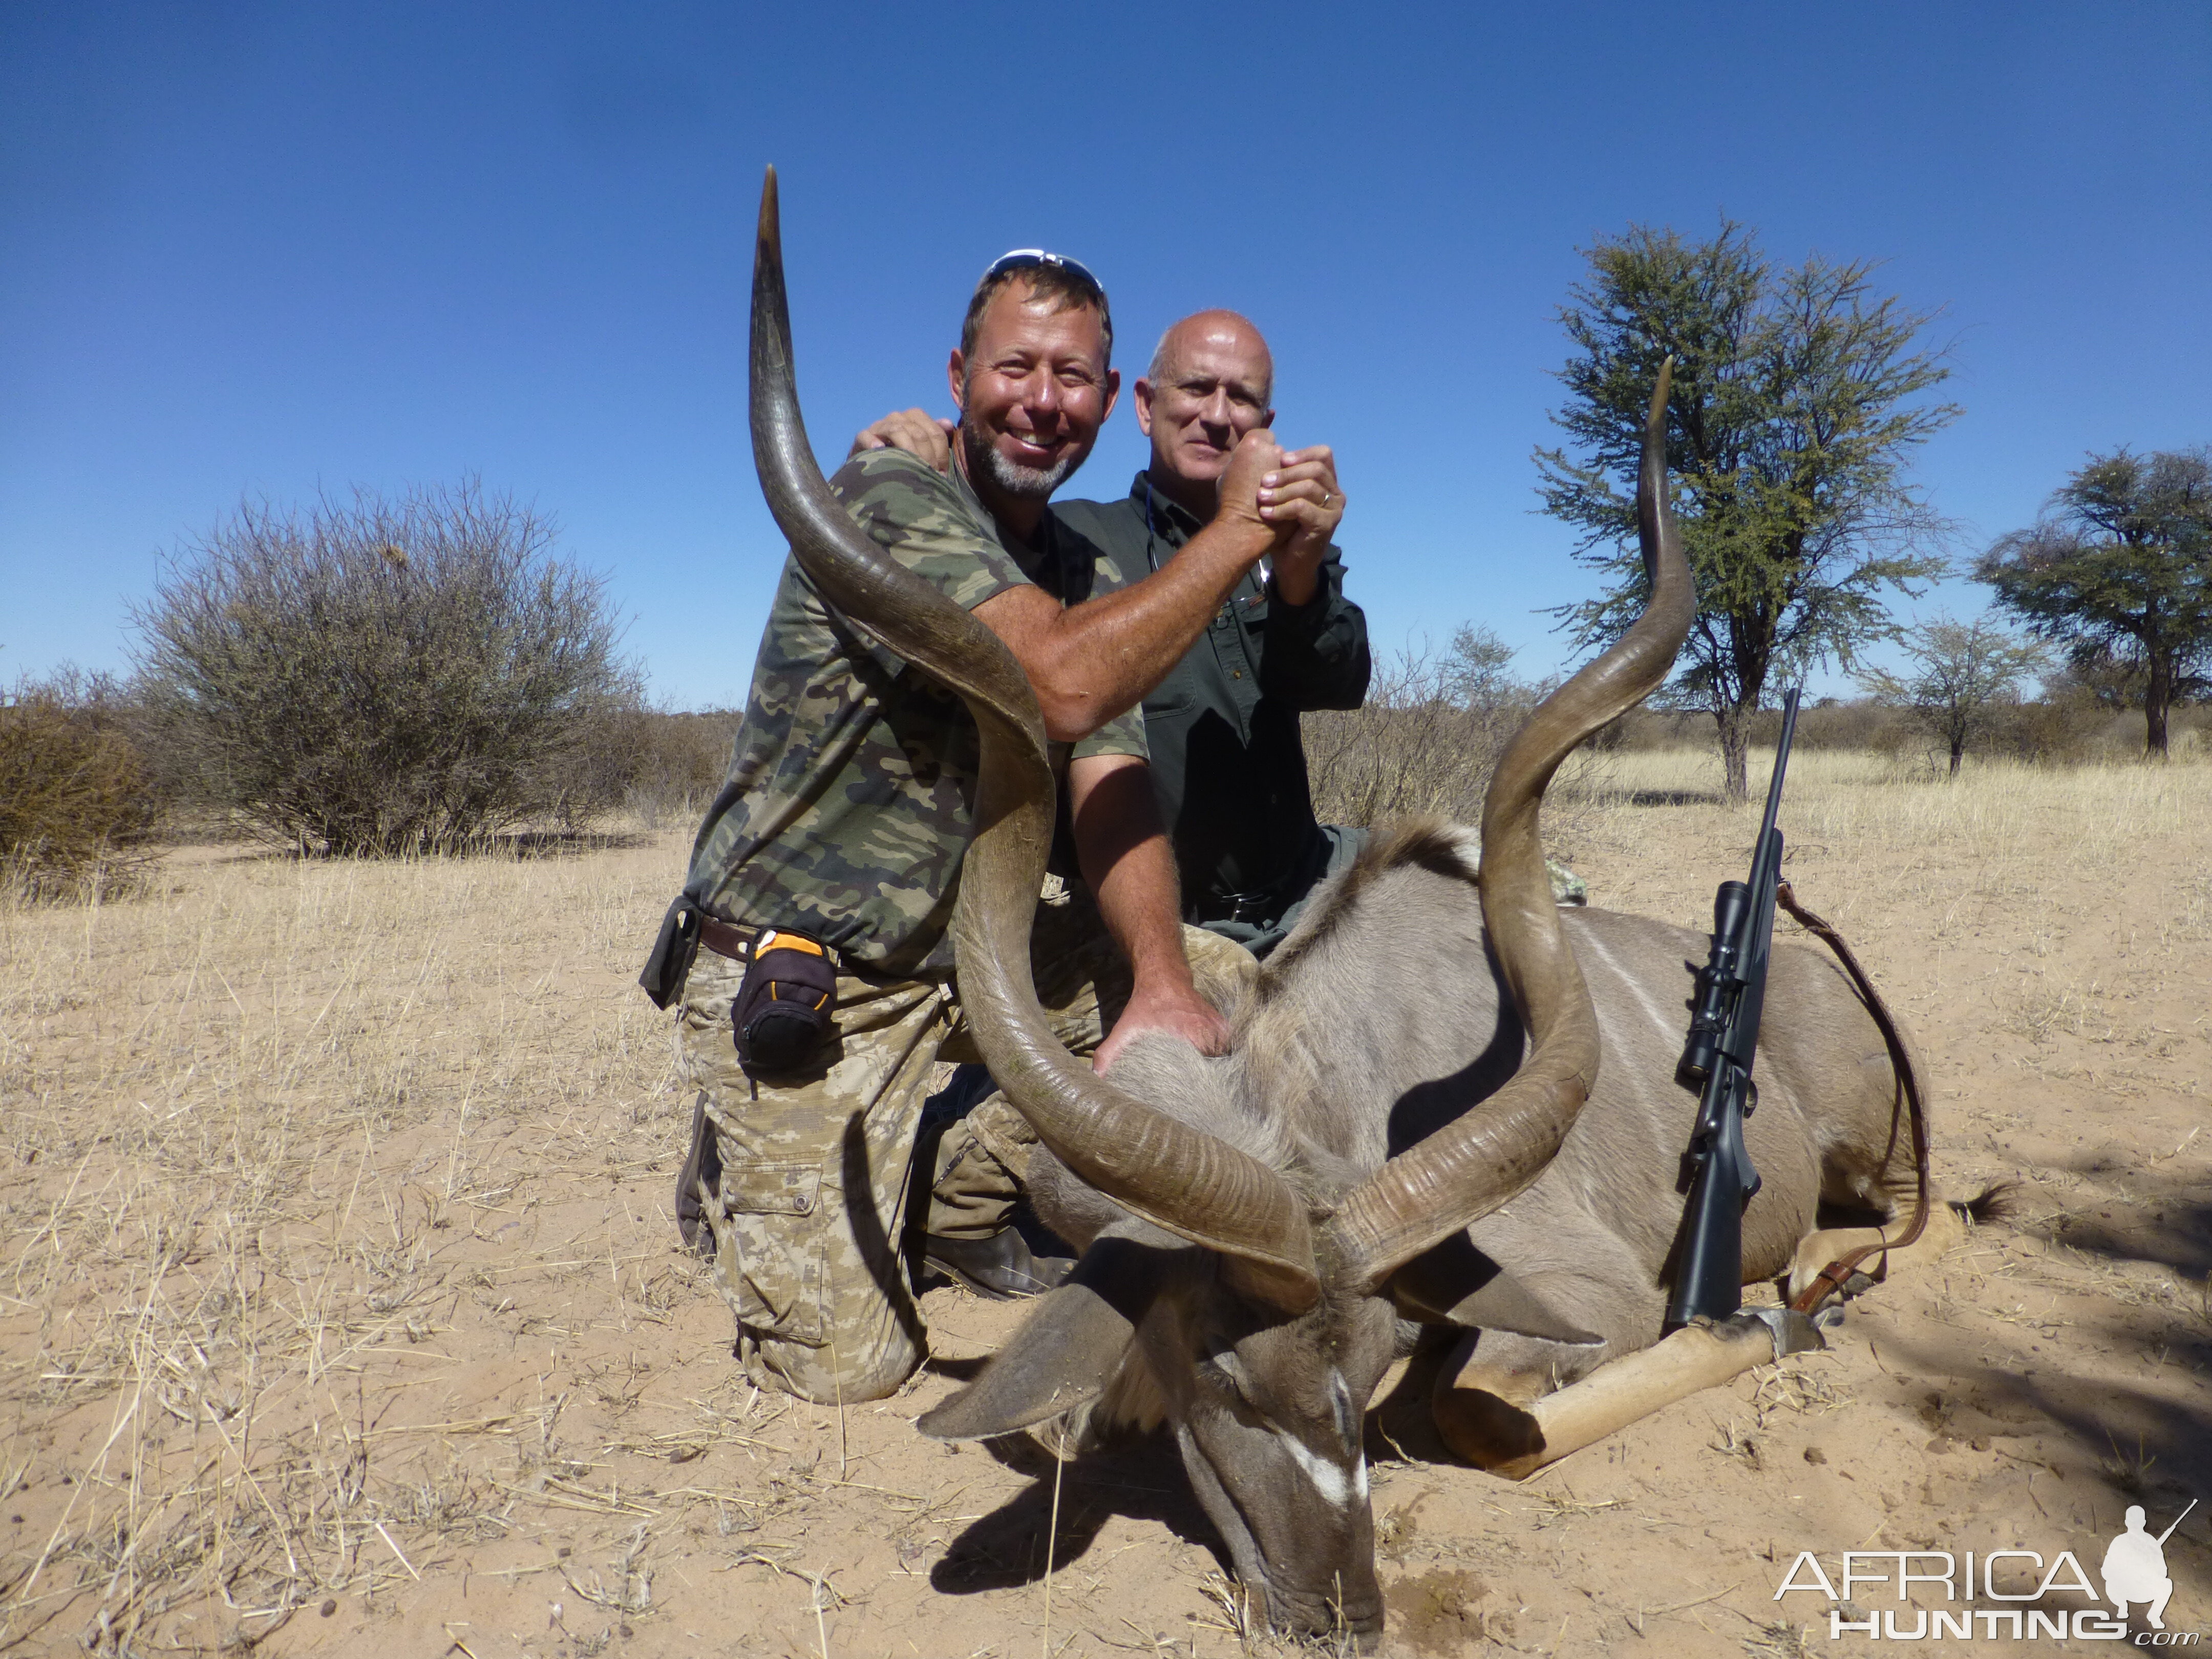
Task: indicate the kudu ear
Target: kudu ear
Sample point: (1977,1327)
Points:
(1065,1351)
(1454,1283)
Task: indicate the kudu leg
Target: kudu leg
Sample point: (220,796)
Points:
(1816,1250)
(1494,1418)
(1517,1438)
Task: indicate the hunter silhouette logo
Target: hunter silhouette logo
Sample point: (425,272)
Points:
(2135,1567)
(2133,1571)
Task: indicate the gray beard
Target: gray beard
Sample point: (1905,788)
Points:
(1022,482)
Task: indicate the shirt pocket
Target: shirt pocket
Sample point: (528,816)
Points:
(1174,697)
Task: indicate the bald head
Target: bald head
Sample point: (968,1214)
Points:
(1214,331)
(1211,380)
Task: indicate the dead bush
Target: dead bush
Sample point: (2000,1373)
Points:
(660,765)
(1833,724)
(677,762)
(1427,738)
(387,675)
(74,809)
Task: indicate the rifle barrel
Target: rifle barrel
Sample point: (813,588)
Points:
(1781,762)
(2178,1520)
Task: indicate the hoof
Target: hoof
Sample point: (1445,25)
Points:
(1483,1430)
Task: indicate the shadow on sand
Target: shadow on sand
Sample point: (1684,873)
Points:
(1142,1481)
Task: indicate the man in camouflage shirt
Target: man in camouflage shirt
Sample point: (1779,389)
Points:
(847,810)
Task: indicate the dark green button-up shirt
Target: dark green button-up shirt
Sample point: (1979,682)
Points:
(1223,727)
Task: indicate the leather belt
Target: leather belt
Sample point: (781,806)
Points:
(726,939)
(729,939)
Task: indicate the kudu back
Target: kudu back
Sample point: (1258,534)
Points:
(1405,1131)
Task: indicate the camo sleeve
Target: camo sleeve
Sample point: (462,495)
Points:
(1122,736)
(1101,574)
(922,519)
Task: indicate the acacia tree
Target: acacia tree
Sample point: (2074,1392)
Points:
(1961,674)
(1794,410)
(2120,569)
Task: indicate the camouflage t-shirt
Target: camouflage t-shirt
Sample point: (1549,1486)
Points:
(851,793)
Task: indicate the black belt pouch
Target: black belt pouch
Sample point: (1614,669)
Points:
(781,1015)
(665,969)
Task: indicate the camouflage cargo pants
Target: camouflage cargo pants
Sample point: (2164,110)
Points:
(811,1201)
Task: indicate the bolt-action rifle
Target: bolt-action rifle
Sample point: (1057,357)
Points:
(1716,1170)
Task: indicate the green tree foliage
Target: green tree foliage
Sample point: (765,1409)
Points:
(2120,568)
(1962,675)
(382,675)
(1794,410)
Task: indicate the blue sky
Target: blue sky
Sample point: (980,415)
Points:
(262,250)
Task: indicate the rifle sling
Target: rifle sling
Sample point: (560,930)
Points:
(1830,1279)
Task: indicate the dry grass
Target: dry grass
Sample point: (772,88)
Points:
(335,1269)
(2002,811)
(275,1137)
(2009,869)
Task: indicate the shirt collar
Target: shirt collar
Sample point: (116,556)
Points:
(1030,553)
(1171,521)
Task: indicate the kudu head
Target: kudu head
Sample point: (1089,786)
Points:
(1241,1275)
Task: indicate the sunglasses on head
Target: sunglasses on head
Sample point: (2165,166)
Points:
(1023,258)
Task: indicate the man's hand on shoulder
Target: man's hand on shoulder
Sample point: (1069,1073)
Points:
(1301,495)
(1177,1010)
(927,436)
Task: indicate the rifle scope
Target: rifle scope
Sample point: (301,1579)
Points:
(1719,982)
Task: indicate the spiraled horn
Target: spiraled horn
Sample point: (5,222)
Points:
(1474,1165)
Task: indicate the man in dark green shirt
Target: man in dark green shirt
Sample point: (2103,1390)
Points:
(1228,764)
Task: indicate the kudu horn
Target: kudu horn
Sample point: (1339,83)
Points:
(1473,1166)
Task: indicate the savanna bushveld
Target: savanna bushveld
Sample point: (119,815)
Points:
(341,1274)
(345,1307)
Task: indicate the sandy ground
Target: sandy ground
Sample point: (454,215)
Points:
(341,1310)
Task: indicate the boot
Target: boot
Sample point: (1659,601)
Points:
(1000,1266)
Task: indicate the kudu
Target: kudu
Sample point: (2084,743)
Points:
(1259,1230)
